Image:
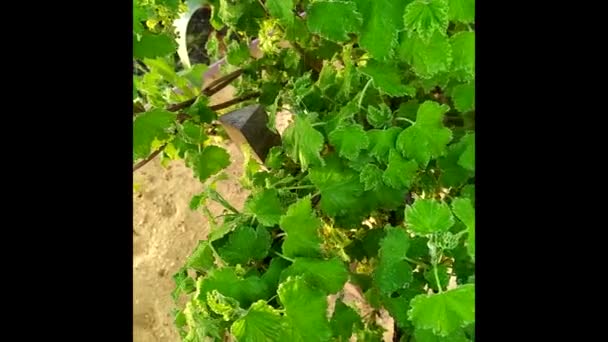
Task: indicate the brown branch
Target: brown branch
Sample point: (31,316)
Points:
(209,90)
(181,117)
(150,157)
(234,101)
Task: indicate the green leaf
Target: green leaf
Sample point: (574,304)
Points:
(200,108)
(327,275)
(426,335)
(428,216)
(462,11)
(273,274)
(150,126)
(303,143)
(392,271)
(282,10)
(246,244)
(467,158)
(381,18)
(463,96)
(425,17)
(225,280)
(452,174)
(444,277)
(202,258)
(183,283)
(200,324)
(370,176)
(427,58)
(427,138)
(301,226)
(265,206)
(194,75)
(446,312)
(387,78)
(261,323)
(224,306)
(212,160)
(379,117)
(463,53)
(238,53)
(464,210)
(468,191)
(343,321)
(349,140)
(193,133)
(400,173)
(153,45)
(381,142)
(333,20)
(340,187)
(306,310)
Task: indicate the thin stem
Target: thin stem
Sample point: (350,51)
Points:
(299,187)
(405,119)
(421,264)
(284,257)
(149,158)
(363,92)
(437,278)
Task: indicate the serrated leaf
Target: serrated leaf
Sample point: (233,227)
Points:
(212,160)
(379,117)
(245,290)
(426,335)
(224,306)
(452,174)
(306,310)
(153,45)
(193,133)
(392,271)
(462,11)
(463,54)
(427,138)
(202,258)
(446,312)
(425,17)
(200,324)
(333,20)
(327,275)
(427,58)
(381,18)
(339,186)
(370,176)
(399,173)
(467,158)
(381,142)
(464,210)
(200,108)
(238,53)
(183,283)
(273,274)
(246,244)
(194,75)
(343,321)
(303,143)
(387,78)
(150,126)
(349,140)
(265,206)
(282,10)
(301,226)
(261,323)
(428,216)
(463,96)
